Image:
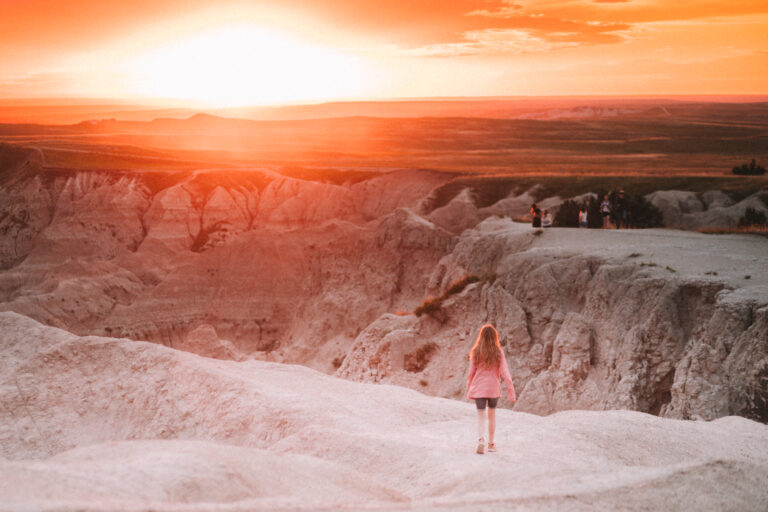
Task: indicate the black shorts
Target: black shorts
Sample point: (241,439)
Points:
(480,402)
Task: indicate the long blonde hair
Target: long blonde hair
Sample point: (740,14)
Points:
(487,350)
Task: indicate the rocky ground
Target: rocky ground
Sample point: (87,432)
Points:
(94,423)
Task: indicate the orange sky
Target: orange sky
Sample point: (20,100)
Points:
(251,52)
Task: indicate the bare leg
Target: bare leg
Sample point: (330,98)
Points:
(491,424)
(480,423)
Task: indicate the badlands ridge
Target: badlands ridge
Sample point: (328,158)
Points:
(262,271)
(249,264)
(92,423)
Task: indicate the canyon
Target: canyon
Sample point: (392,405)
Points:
(241,337)
(248,264)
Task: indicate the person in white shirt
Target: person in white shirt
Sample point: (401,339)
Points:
(583,218)
(546,222)
(605,211)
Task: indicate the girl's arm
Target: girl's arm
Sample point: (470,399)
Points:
(472,371)
(507,378)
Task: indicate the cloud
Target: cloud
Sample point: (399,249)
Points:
(55,29)
(528,34)
(529,26)
(34,84)
(491,42)
(644,11)
(62,82)
(504,11)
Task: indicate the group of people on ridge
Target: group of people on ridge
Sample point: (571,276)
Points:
(616,211)
(540,220)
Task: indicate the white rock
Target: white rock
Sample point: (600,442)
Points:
(98,423)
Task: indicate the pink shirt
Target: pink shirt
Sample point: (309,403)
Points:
(483,382)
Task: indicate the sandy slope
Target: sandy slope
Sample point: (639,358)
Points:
(92,423)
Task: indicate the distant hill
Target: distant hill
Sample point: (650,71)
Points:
(614,136)
(62,111)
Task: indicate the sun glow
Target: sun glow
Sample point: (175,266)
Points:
(245,64)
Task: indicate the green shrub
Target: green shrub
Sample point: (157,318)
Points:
(752,217)
(749,170)
(642,214)
(568,215)
(429,306)
(459,285)
(417,360)
(434,304)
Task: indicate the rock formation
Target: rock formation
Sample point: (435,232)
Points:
(587,330)
(96,423)
(713,209)
(250,264)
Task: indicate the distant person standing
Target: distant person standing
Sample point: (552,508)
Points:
(620,210)
(546,221)
(535,216)
(583,217)
(486,364)
(605,211)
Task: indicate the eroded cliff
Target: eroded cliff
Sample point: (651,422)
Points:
(246,263)
(590,323)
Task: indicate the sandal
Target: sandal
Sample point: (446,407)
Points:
(480,446)
(491,447)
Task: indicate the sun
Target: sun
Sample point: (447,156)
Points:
(237,65)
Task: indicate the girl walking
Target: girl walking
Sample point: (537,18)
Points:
(487,363)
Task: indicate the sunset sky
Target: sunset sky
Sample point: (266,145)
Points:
(198,52)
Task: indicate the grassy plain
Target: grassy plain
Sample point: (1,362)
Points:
(567,147)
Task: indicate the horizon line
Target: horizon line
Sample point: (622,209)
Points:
(180,104)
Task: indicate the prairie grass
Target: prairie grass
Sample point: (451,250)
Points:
(434,304)
(417,360)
